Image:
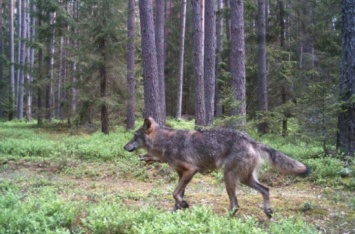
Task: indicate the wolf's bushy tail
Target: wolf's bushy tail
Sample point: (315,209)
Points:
(283,163)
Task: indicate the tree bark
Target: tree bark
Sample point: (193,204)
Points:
(130,65)
(159,40)
(1,61)
(181,60)
(237,59)
(103,87)
(262,76)
(150,65)
(219,48)
(197,42)
(210,59)
(23,55)
(12,62)
(346,118)
(49,68)
(31,54)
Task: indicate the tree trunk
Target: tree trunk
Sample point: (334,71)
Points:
(31,33)
(346,118)
(181,60)
(237,59)
(197,41)
(103,87)
(210,59)
(74,43)
(262,76)
(283,84)
(130,65)
(159,40)
(1,61)
(49,69)
(150,65)
(219,48)
(12,62)
(60,78)
(19,53)
(40,77)
(23,55)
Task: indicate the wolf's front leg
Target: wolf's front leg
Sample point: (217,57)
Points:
(185,177)
(149,158)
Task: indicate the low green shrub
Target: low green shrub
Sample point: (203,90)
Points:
(325,169)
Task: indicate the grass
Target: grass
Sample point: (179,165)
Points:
(56,179)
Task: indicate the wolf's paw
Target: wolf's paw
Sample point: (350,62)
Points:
(184,205)
(233,211)
(269,212)
(181,205)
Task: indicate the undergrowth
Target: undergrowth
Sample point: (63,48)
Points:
(40,207)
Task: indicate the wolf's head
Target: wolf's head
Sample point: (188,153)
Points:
(139,139)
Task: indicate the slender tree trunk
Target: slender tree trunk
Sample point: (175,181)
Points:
(219,48)
(283,84)
(181,60)
(237,59)
(150,65)
(49,69)
(210,59)
(103,88)
(228,19)
(130,65)
(262,76)
(19,54)
(159,40)
(73,90)
(1,61)
(346,118)
(40,76)
(31,37)
(23,57)
(60,78)
(12,62)
(197,38)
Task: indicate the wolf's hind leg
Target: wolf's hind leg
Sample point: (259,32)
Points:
(231,183)
(253,183)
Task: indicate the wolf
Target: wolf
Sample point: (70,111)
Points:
(203,151)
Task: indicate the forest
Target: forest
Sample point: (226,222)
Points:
(77,77)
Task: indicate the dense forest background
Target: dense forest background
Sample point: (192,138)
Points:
(275,64)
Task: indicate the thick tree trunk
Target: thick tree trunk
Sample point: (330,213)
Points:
(150,65)
(210,59)
(262,76)
(237,59)
(181,60)
(197,41)
(130,65)
(346,119)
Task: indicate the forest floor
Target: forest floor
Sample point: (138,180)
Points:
(329,209)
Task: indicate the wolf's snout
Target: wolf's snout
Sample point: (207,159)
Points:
(129,147)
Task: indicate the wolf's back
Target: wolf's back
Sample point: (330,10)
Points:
(283,163)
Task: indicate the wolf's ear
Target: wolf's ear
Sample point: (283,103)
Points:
(148,125)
